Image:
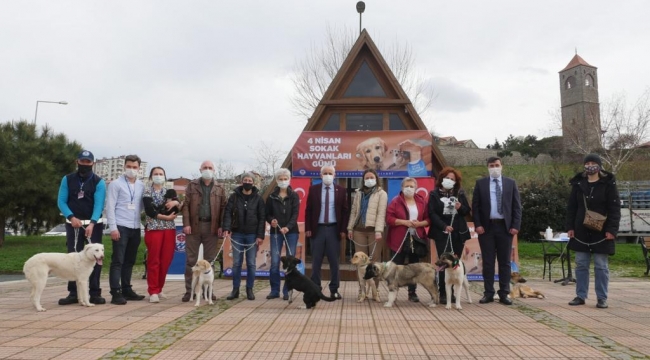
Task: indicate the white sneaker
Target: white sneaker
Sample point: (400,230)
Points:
(162,296)
(154,298)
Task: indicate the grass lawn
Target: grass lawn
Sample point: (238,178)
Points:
(17,249)
(627,262)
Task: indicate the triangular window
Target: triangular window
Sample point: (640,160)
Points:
(364,84)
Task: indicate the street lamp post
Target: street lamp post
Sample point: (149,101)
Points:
(51,102)
(361,7)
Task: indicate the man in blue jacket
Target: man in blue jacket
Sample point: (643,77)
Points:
(81,201)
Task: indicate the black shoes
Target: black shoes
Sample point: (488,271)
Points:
(249,294)
(285,297)
(443,299)
(486,299)
(97,300)
(186,297)
(602,304)
(131,295)
(117,298)
(413,297)
(69,300)
(336,295)
(233,295)
(272,296)
(505,301)
(578,301)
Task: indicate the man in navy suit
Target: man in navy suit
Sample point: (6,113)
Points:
(326,220)
(496,209)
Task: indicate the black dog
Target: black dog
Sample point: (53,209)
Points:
(295,280)
(170,195)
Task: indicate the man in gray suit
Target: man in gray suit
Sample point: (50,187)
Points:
(496,209)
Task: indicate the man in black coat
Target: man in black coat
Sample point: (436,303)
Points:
(496,209)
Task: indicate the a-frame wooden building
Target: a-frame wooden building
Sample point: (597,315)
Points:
(364,96)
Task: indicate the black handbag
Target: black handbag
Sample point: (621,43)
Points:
(415,245)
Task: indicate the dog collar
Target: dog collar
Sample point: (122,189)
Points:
(207,272)
(455,264)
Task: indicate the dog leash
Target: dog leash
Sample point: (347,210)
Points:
(449,242)
(374,246)
(218,253)
(400,246)
(76,238)
(286,242)
(244,246)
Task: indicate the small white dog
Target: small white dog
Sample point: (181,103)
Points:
(455,276)
(202,279)
(72,267)
(368,287)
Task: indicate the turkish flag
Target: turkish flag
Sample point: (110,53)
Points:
(301,187)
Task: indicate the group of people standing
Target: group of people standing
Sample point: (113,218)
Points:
(210,215)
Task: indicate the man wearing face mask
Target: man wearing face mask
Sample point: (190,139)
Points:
(81,201)
(123,207)
(326,220)
(448,207)
(282,209)
(496,209)
(203,210)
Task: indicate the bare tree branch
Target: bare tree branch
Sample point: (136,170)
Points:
(313,74)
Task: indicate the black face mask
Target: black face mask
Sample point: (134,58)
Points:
(84,169)
(247,186)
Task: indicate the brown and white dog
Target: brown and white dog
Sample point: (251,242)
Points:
(455,276)
(397,276)
(519,290)
(366,287)
(202,279)
(370,153)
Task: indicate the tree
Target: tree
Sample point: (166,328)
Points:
(268,158)
(225,173)
(620,131)
(32,166)
(313,74)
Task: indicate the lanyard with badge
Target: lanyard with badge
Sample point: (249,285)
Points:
(80,195)
(131,205)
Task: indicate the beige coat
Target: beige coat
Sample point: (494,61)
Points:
(376,214)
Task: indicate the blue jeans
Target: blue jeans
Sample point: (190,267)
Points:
(246,240)
(277,242)
(601,271)
(125,251)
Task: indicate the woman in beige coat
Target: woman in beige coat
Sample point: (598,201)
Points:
(368,215)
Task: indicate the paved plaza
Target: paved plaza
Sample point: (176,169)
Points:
(273,329)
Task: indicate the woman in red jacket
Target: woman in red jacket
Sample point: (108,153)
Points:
(407,214)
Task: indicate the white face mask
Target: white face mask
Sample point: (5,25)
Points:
(448,183)
(409,192)
(328,179)
(207,174)
(370,182)
(283,184)
(131,173)
(495,172)
(158,179)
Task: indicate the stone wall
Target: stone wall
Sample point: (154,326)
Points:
(459,156)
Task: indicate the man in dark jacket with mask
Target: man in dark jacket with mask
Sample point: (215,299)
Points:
(593,189)
(244,221)
(81,201)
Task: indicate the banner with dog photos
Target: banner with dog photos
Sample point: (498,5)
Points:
(390,153)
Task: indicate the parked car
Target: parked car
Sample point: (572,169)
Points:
(107,231)
(58,230)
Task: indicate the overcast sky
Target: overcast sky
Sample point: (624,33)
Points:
(177,82)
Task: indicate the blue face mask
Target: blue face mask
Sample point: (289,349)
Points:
(591,169)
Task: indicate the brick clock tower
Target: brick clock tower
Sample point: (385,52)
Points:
(580,107)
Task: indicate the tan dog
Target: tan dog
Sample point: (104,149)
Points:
(397,276)
(519,290)
(72,267)
(202,279)
(370,153)
(366,287)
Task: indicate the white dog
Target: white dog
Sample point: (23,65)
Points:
(72,267)
(455,276)
(202,279)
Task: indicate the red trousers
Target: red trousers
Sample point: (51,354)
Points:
(160,252)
